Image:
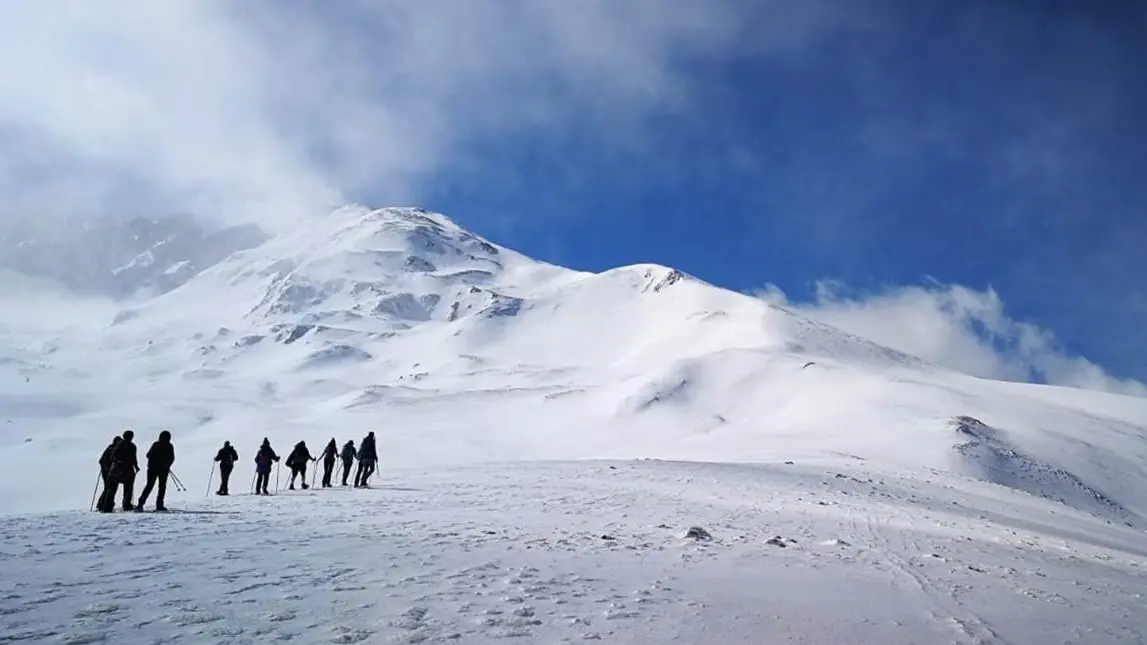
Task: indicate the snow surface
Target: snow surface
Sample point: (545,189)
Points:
(926,505)
(583,552)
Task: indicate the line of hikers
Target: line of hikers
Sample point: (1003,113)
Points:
(297,461)
(119,465)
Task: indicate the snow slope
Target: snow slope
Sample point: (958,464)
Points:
(457,350)
(926,505)
(595,552)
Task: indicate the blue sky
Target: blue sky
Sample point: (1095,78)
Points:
(1002,148)
(977,167)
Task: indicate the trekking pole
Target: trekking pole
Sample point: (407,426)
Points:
(253,478)
(99,477)
(209,478)
(314,473)
(278,469)
(178,484)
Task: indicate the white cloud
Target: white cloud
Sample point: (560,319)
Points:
(956,327)
(263,109)
(160,95)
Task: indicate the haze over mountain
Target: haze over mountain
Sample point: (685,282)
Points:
(119,257)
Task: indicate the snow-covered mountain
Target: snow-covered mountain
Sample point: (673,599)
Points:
(120,257)
(459,352)
(455,349)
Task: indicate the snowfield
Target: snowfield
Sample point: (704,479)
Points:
(547,437)
(584,552)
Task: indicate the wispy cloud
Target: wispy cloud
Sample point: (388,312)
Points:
(268,110)
(957,327)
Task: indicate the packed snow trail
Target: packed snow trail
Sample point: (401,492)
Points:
(570,552)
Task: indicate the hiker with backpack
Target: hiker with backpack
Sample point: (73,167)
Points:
(160,458)
(349,454)
(263,460)
(367,457)
(124,466)
(330,453)
(297,462)
(105,468)
(226,458)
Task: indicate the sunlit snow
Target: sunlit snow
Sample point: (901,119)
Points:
(547,438)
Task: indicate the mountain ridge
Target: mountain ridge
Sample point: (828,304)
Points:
(459,350)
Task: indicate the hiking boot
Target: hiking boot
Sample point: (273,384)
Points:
(305,487)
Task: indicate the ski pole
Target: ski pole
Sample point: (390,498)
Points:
(253,478)
(278,469)
(99,478)
(209,478)
(178,484)
(313,473)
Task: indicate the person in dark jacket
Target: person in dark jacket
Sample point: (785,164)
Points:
(124,467)
(349,454)
(263,460)
(367,457)
(330,454)
(160,459)
(297,462)
(105,469)
(226,458)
